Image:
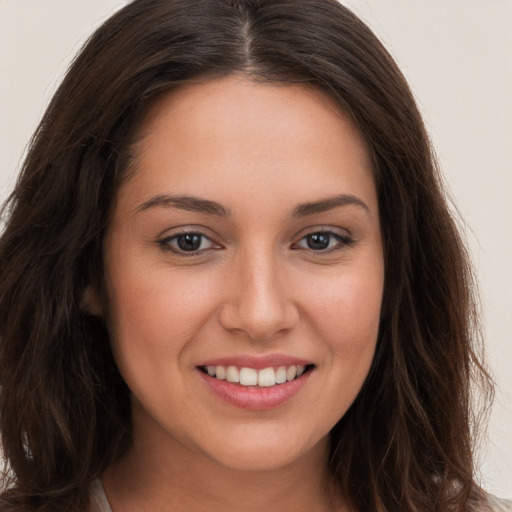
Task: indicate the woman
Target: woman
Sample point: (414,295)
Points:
(230,277)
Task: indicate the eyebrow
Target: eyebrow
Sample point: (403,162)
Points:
(329,203)
(196,204)
(189,203)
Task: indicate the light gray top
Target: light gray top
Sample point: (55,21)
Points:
(500,505)
(99,502)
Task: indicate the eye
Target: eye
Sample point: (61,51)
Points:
(188,243)
(324,241)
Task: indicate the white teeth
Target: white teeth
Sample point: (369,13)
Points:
(281,375)
(291,373)
(232,374)
(220,372)
(266,377)
(248,377)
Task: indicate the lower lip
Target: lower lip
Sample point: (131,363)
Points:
(254,397)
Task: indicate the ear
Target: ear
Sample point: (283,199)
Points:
(91,302)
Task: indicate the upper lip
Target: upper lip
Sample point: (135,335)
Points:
(256,362)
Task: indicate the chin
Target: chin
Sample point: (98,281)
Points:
(256,454)
(256,461)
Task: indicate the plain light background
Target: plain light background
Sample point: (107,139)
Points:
(457,56)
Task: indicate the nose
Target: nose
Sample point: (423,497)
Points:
(259,301)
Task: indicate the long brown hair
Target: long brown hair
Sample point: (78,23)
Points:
(406,443)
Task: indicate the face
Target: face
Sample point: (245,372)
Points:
(245,246)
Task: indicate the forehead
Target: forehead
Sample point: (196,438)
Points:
(247,105)
(251,133)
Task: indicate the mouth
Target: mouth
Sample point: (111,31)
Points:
(256,383)
(263,378)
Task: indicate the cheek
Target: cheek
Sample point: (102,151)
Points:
(155,314)
(347,309)
(346,318)
(159,300)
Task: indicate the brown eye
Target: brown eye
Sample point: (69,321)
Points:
(324,241)
(187,243)
(318,241)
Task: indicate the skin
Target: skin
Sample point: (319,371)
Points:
(255,287)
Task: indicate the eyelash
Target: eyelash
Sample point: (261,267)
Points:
(342,239)
(165,243)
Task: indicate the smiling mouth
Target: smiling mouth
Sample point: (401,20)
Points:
(266,377)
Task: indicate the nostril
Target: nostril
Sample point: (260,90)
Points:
(259,320)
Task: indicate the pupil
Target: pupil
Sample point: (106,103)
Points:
(189,242)
(318,241)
